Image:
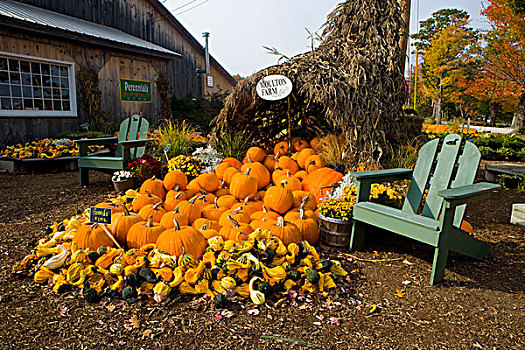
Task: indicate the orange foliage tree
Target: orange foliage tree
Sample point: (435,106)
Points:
(503,74)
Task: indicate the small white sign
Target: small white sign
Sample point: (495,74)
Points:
(210,81)
(274,87)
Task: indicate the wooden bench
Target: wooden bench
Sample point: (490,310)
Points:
(493,170)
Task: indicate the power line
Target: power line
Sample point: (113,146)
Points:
(191,8)
(186,4)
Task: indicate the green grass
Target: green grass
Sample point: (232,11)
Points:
(177,134)
(233,145)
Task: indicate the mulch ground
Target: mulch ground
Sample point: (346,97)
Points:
(480,305)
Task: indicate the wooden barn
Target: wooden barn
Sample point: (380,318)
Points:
(64,63)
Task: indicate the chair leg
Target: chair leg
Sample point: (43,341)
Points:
(466,244)
(438,267)
(84,176)
(357,235)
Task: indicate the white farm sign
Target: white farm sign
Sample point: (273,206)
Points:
(274,87)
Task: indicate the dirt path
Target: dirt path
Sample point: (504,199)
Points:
(477,307)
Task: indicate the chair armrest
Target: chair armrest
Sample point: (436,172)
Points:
(466,194)
(384,175)
(83,144)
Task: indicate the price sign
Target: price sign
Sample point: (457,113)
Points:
(100,215)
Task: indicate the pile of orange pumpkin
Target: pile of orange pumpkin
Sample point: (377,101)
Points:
(273,194)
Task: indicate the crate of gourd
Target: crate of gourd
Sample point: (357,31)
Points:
(248,227)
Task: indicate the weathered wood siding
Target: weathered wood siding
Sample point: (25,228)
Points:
(111,66)
(146,19)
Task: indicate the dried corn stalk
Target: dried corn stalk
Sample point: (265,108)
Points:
(352,83)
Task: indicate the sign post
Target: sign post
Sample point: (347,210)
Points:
(166,149)
(102,216)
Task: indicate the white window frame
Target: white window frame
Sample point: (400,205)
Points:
(43,113)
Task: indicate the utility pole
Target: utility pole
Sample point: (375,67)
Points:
(403,41)
(415,80)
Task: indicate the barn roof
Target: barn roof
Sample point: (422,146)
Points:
(36,17)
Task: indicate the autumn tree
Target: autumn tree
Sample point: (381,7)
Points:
(432,27)
(445,62)
(505,51)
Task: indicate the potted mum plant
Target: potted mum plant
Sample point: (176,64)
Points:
(144,168)
(122,180)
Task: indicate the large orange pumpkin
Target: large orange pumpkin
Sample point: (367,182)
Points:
(221,168)
(144,232)
(194,186)
(303,155)
(313,163)
(281,148)
(286,232)
(226,202)
(290,182)
(309,200)
(172,202)
(91,235)
(228,174)
(301,175)
(259,172)
(235,231)
(144,199)
(321,178)
(154,186)
(270,161)
(121,223)
(255,154)
(243,185)
(277,173)
(308,227)
(209,182)
(278,198)
(287,163)
(155,210)
(237,215)
(175,178)
(299,145)
(167,219)
(181,240)
(212,211)
(190,209)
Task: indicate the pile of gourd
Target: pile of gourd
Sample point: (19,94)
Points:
(45,149)
(230,230)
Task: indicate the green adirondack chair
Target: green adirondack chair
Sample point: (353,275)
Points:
(447,170)
(131,140)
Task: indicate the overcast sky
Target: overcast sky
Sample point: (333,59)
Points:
(240,28)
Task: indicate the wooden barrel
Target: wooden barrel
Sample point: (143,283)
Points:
(334,232)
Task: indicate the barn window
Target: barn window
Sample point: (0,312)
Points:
(31,86)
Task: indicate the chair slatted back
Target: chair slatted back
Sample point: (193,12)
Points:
(439,169)
(420,177)
(134,128)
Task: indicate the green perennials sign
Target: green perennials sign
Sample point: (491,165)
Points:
(135,90)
